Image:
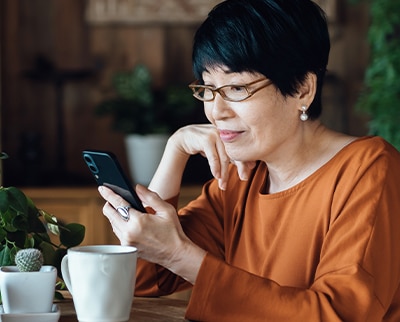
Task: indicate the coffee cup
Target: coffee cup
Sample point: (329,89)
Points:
(101,280)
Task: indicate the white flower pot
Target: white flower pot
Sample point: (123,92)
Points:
(27,292)
(144,153)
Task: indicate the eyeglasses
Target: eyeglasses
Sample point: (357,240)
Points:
(233,93)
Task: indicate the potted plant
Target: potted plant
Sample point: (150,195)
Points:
(381,96)
(23,225)
(147,116)
(29,276)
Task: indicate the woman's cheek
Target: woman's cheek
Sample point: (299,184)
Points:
(208,112)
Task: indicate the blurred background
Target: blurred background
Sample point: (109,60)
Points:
(58,59)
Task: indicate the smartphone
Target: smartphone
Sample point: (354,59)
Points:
(108,172)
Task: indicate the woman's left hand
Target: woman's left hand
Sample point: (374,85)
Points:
(158,237)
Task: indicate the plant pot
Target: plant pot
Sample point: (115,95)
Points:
(144,153)
(27,292)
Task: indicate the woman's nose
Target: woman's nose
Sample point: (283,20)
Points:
(220,108)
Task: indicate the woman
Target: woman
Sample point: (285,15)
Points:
(300,223)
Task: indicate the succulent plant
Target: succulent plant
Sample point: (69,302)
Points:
(29,260)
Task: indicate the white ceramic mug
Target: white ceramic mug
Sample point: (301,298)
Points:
(101,279)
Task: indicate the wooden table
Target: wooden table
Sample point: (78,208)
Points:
(143,310)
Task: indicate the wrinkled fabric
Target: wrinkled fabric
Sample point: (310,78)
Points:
(327,249)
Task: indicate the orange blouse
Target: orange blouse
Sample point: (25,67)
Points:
(327,249)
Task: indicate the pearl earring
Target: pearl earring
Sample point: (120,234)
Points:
(303,115)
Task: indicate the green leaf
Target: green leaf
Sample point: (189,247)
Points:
(35,224)
(3,200)
(5,258)
(17,237)
(29,242)
(48,218)
(7,220)
(3,235)
(58,296)
(52,222)
(39,238)
(72,235)
(33,214)
(20,222)
(17,200)
(49,253)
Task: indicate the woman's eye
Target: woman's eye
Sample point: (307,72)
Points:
(237,89)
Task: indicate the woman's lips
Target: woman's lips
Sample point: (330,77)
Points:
(229,136)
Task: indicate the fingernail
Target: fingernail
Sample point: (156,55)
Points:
(221,184)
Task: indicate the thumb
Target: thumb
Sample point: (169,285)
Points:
(152,200)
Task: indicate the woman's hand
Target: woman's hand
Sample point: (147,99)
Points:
(190,140)
(204,139)
(158,237)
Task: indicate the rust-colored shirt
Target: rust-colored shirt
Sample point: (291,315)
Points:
(327,249)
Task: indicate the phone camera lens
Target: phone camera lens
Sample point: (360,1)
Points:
(93,168)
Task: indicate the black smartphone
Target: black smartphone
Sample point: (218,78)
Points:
(108,172)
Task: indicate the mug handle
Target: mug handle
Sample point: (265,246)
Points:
(65,273)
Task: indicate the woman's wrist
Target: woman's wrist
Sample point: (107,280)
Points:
(168,177)
(187,260)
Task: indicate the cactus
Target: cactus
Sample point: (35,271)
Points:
(29,260)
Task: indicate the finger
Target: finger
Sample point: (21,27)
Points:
(113,217)
(124,230)
(244,169)
(218,160)
(114,199)
(224,165)
(153,199)
(111,211)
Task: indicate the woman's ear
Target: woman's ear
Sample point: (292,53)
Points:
(307,89)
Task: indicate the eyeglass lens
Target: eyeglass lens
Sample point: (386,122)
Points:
(235,93)
(230,92)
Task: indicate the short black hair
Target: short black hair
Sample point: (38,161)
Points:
(281,39)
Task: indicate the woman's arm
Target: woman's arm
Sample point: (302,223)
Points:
(187,141)
(168,177)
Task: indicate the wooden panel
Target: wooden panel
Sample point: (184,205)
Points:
(80,205)
(148,11)
(58,32)
(85,206)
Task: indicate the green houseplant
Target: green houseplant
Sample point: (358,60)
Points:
(23,225)
(137,107)
(381,96)
(147,116)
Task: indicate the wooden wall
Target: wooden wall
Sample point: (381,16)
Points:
(78,61)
